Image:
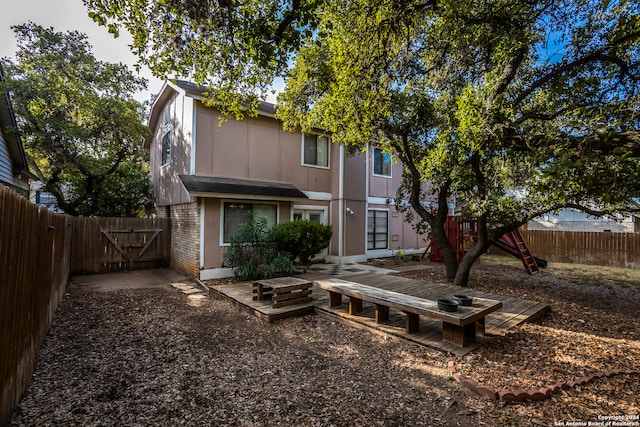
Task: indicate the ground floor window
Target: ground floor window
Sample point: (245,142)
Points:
(235,214)
(378,229)
(45,198)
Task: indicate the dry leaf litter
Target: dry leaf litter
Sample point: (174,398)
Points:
(154,357)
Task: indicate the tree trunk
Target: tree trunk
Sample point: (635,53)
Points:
(439,235)
(469,258)
(467,261)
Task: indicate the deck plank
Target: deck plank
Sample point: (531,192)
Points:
(513,312)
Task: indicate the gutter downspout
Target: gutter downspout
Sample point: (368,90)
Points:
(341,207)
(366,201)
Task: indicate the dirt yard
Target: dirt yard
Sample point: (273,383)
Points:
(153,357)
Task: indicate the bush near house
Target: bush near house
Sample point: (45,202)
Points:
(252,253)
(302,239)
(262,252)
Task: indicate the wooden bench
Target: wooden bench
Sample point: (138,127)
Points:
(283,291)
(460,327)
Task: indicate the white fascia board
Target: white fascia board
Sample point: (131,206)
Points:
(243,196)
(379,200)
(165,85)
(318,195)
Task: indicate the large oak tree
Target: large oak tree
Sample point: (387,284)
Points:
(518,108)
(80,125)
(515,108)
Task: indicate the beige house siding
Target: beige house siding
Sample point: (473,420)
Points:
(386,187)
(256,149)
(212,220)
(167,189)
(382,194)
(401,233)
(213,253)
(355,210)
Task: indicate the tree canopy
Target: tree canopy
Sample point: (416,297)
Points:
(79,122)
(518,108)
(234,48)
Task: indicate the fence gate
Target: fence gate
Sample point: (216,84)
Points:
(115,244)
(138,242)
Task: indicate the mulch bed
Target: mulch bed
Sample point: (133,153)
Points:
(594,326)
(154,357)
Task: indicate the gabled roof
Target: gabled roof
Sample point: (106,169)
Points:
(194,91)
(214,185)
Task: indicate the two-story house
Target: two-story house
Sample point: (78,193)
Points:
(206,175)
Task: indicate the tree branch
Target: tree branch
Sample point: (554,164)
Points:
(508,74)
(287,20)
(597,56)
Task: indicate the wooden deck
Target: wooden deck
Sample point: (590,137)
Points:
(514,311)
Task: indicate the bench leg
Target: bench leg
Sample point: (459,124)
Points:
(480,327)
(355,305)
(382,313)
(461,335)
(413,323)
(335,299)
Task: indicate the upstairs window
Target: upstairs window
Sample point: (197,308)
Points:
(381,163)
(315,150)
(166,147)
(167,134)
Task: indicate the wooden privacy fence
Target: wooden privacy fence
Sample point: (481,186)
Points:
(599,248)
(34,271)
(101,245)
(39,250)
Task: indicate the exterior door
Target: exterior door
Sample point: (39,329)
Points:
(309,214)
(313,215)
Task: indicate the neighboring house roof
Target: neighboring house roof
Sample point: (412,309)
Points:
(220,185)
(12,139)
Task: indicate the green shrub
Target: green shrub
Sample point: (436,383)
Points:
(400,256)
(302,239)
(252,253)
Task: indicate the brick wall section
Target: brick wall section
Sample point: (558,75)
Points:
(185,238)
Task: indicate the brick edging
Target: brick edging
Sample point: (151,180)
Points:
(522,395)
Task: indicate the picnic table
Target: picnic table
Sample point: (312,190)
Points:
(460,327)
(283,291)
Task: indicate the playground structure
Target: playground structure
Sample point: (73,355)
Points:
(462,236)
